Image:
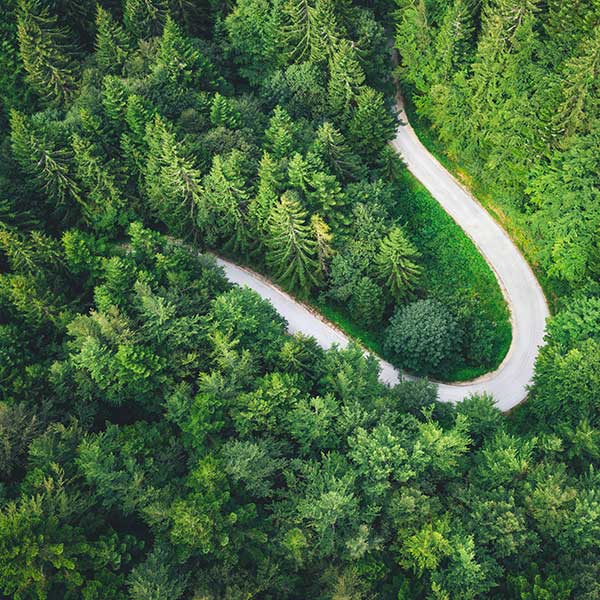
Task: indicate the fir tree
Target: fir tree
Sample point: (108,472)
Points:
(346,76)
(291,247)
(144,18)
(396,263)
(112,43)
(172,181)
(46,52)
(223,113)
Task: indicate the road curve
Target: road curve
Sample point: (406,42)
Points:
(528,307)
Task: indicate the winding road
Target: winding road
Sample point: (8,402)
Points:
(528,307)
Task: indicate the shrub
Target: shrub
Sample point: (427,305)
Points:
(421,336)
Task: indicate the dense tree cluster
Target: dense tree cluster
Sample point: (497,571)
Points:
(261,134)
(161,436)
(512,89)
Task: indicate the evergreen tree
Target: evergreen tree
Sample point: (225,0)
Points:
(112,43)
(372,124)
(172,182)
(346,76)
(322,236)
(144,18)
(46,52)
(107,206)
(396,263)
(49,166)
(291,253)
(331,146)
(269,189)
(281,134)
(225,199)
(223,113)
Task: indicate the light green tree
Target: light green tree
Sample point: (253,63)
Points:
(396,263)
(291,253)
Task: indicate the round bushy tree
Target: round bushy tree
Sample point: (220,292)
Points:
(421,336)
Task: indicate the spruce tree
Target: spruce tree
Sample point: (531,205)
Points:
(269,188)
(396,263)
(49,166)
(112,43)
(346,76)
(372,125)
(223,113)
(225,200)
(291,253)
(331,146)
(323,237)
(144,18)
(172,181)
(105,199)
(46,52)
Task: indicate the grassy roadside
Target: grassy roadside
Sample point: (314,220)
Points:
(511,220)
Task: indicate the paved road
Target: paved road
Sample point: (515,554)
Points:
(508,384)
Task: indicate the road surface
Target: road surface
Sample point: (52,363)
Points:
(528,307)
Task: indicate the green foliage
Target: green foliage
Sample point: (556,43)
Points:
(291,247)
(396,263)
(421,335)
(161,436)
(44,47)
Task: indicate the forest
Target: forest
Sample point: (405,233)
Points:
(161,436)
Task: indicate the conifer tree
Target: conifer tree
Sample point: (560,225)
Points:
(223,113)
(281,133)
(372,124)
(396,263)
(323,237)
(269,188)
(346,76)
(46,52)
(581,88)
(112,43)
(106,202)
(179,61)
(49,166)
(225,200)
(331,146)
(144,18)
(291,253)
(172,181)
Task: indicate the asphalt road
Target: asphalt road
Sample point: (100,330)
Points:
(529,310)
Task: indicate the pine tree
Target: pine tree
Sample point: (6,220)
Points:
(346,76)
(223,113)
(225,200)
(112,43)
(331,146)
(372,125)
(46,52)
(172,181)
(144,18)
(291,248)
(396,263)
(323,236)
